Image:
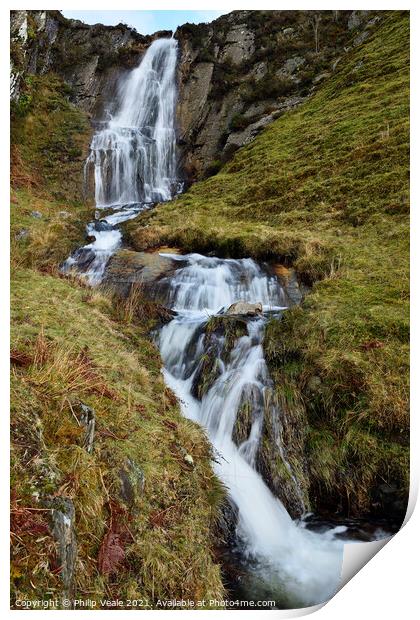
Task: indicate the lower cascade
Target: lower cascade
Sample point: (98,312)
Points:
(292,563)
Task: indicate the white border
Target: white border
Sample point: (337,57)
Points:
(387,585)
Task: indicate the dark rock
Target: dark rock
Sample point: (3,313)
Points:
(102,226)
(83,257)
(356,19)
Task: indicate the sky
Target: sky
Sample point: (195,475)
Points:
(145,22)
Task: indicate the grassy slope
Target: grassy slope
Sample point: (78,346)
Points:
(325,188)
(71,345)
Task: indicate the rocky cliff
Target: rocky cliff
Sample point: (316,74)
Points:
(236,74)
(247,68)
(90,59)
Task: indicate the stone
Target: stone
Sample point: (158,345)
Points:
(147,269)
(132,483)
(291,65)
(245,308)
(36,214)
(320,77)
(239,45)
(259,71)
(241,138)
(288,32)
(189,459)
(335,63)
(102,226)
(64,532)
(88,420)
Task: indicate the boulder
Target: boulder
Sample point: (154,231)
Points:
(245,308)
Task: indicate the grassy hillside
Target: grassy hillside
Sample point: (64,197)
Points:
(143,513)
(325,188)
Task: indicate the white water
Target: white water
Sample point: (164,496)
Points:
(303,565)
(133,156)
(133,160)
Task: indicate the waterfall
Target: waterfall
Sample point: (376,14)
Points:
(302,565)
(132,156)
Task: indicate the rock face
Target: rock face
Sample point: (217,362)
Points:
(236,74)
(89,58)
(63,521)
(244,70)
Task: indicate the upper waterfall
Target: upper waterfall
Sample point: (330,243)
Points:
(134,155)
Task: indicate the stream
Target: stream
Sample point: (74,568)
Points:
(133,161)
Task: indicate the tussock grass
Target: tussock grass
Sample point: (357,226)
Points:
(73,349)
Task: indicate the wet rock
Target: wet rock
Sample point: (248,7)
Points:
(245,308)
(293,289)
(147,269)
(226,523)
(390,501)
(280,457)
(249,410)
(89,58)
(63,530)
(220,336)
(102,226)
(83,257)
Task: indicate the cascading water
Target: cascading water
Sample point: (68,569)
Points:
(133,156)
(294,564)
(134,162)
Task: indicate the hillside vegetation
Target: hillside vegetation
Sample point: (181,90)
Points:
(143,512)
(325,189)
